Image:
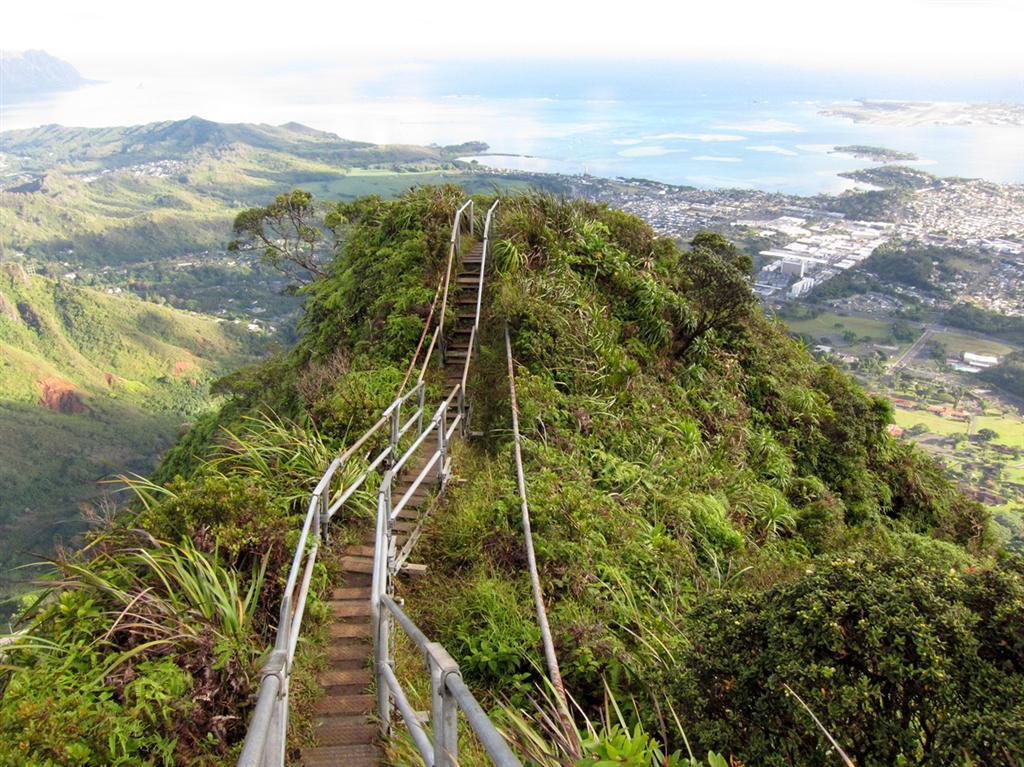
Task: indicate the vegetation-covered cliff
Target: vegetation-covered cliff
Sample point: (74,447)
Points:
(717,516)
(90,381)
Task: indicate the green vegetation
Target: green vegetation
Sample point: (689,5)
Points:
(716,516)
(908,264)
(893,177)
(90,384)
(1007,375)
(877,153)
(971,317)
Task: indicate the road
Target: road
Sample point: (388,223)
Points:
(913,350)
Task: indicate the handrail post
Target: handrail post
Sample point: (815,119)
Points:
(393,434)
(381,629)
(444,712)
(420,405)
(462,411)
(321,520)
(442,447)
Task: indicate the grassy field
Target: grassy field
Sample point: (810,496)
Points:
(829,328)
(1009,428)
(936,424)
(956,344)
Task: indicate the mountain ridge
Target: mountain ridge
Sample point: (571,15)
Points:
(36,72)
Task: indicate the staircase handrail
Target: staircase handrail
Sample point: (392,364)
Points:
(265,740)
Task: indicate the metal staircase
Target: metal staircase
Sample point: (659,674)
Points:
(361,697)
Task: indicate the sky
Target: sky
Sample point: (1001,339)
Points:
(965,38)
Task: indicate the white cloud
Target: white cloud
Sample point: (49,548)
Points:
(626,141)
(716,158)
(816,148)
(772,149)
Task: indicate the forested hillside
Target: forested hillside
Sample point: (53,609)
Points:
(91,383)
(721,522)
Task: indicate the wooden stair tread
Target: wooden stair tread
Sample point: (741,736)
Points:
(350,608)
(354,630)
(351,592)
(348,652)
(357,564)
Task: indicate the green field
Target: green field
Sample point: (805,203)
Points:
(829,328)
(957,343)
(1009,428)
(936,424)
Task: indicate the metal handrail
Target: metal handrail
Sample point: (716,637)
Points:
(264,744)
(449,693)
(454,254)
(474,335)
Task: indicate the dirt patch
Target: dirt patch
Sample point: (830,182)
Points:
(181,367)
(61,396)
(7,309)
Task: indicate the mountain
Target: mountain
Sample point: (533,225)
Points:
(178,139)
(91,384)
(719,519)
(33,73)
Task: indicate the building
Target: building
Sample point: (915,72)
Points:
(980,360)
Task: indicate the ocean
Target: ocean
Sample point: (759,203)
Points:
(707,125)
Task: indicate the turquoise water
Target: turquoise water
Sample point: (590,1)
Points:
(705,125)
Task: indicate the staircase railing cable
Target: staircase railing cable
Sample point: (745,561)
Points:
(554,672)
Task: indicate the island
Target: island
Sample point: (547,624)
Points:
(876,153)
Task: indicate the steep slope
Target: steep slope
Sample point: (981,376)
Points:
(716,516)
(90,384)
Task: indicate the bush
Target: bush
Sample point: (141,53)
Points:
(903,662)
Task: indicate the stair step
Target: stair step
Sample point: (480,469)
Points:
(358,551)
(357,564)
(351,592)
(350,608)
(405,527)
(331,733)
(345,677)
(414,568)
(331,705)
(350,756)
(350,630)
(349,651)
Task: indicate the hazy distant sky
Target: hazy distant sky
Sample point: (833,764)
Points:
(913,37)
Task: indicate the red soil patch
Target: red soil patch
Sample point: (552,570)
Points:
(60,396)
(183,366)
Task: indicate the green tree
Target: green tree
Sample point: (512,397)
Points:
(718,289)
(290,231)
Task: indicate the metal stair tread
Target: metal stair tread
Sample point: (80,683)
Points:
(361,703)
(331,734)
(345,677)
(350,756)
